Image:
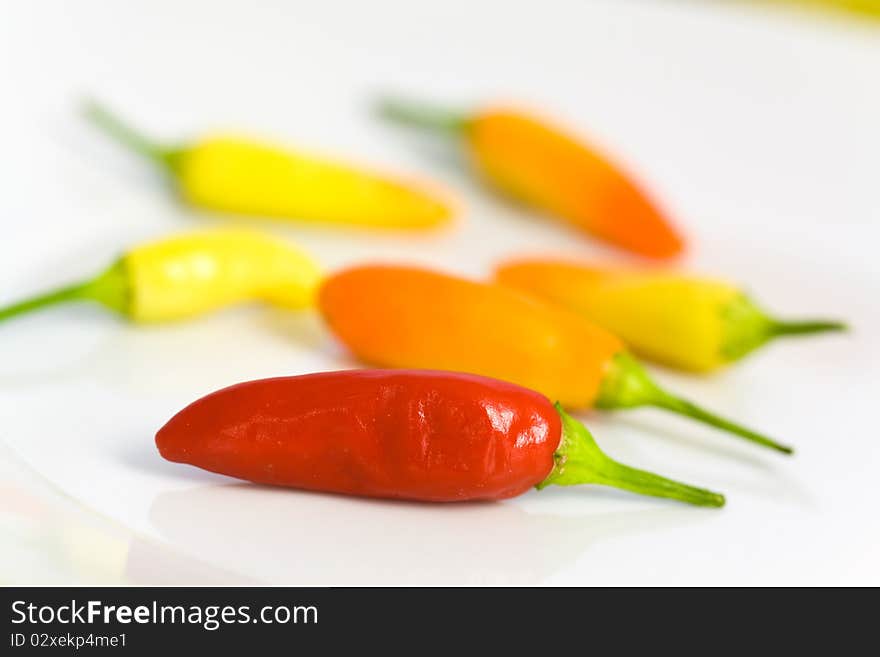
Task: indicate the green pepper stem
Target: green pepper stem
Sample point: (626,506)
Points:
(688,409)
(109,288)
(421,116)
(166,157)
(805,327)
(579,460)
(59,295)
(628,385)
(746,327)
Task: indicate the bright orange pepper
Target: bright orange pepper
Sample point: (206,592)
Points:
(400,317)
(407,317)
(541,165)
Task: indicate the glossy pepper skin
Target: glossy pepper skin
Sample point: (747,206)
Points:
(416,435)
(242,176)
(412,317)
(397,316)
(691,323)
(188,275)
(537,163)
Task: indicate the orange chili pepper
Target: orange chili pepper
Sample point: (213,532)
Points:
(413,318)
(541,165)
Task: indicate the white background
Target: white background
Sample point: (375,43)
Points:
(758,130)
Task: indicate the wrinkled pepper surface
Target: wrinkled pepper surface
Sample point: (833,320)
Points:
(418,435)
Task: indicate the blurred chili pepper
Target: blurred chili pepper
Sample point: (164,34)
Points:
(539,164)
(868,9)
(241,176)
(691,323)
(192,274)
(407,317)
(419,435)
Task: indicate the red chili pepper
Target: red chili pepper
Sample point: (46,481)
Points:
(409,434)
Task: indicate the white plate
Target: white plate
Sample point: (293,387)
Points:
(758,131)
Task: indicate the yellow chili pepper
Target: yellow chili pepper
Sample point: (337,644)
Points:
(241,176)
(695,324)
(865,8)
(192,274)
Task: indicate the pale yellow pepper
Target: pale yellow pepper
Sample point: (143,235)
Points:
(696,324)
(192,274)
(247,177)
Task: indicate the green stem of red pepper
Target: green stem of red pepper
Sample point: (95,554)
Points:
(580,461)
